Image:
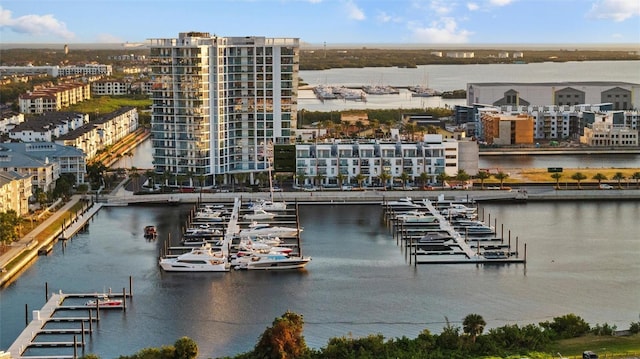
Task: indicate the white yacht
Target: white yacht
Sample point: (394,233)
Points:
(201,259)
(416,216)
(208,215)
(259,214)
(271,261)
(266,230)
(403,202)
(268,205)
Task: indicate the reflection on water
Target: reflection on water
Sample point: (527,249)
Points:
(581,254)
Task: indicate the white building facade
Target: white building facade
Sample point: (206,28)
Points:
(219,102)
(343,163)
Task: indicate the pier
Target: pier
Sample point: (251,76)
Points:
(75,329)
(444,241)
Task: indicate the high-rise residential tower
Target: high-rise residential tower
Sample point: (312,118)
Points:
(219,103)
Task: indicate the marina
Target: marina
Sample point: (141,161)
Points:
(34,341)
(451,235)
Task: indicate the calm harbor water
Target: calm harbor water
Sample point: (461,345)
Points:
(453,77)
(582,260)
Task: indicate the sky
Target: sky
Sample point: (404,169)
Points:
(327,22)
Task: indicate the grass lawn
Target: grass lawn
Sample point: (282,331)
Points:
(539,175)
(107,104)
(604,346)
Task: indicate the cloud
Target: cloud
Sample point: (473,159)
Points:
(34,24)
(315,1)
(500,2)
(616,10)
(441,7)
(443,31)
(354,12)
(472,6)
(108,39)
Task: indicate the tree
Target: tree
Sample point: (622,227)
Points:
(578,176)
(186,348)
(619,177)
(283,339)
(599,177)
(482,176)
(462,176)
(473,324)
(301,177)
(404,177)
(319,179)
(341,177)
(385,177)
(9,220)
(636,176)
(556,176)
(360,179)
(442,178)
(567,326)
(424,178)
(501,176)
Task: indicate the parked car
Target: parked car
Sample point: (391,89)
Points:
(605,186)
(589,355)
(347,188)
(310,188)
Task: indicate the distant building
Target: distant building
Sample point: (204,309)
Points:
(48,126)
(15,190)
(436,53)
(461,55)
(623,95)
(9,120)
(57,71)
(500,129)
(53,98)
(503,55)
(604,133)
(45,161)
(110,87)
(518,54)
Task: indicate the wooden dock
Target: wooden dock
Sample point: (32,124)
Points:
(34,334)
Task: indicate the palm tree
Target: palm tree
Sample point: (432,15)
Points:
(599,177)
(442,178)
(320,178)
(385,177)
(410,129)
(301,177)
(404,177)
(482,175)
(578,176)
(341,177)
(424,178)
(473,324)
(360,179)
(636,176)
(619,177)
(462,176)
(501,176)
(556,176)
(262,178)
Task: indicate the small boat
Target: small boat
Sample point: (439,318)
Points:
(103,300)
(271,261)
(150,232)
(266,230)
(416,217)
(208,215)
(268,205)
(259,214)
(495,255)
(43,251)
(201,259)
(403,202)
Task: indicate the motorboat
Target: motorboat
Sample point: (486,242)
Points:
(459,210)
(203,231)
(103,300)
(259,214)
(403,202)
(201,259)
(271,261)
(265,230)
(473,227)
(208,215)
(495,255)
(150,232)
(435,237)
(268,205)
(416,216)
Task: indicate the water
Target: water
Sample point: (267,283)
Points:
(453,77)
(565,161)
(582,260)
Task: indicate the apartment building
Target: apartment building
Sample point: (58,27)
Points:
(501,129)
(605,131)
(331,163)
(15,190)
(45,161)
(47,126)
(53,98)
(110,88)
(9,120)
(219,103)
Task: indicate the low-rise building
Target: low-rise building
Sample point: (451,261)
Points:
(605,133)
(54,98)
(331,163)
(110,88)
(15,190)
(501,129)
(9,120)
(48,126)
